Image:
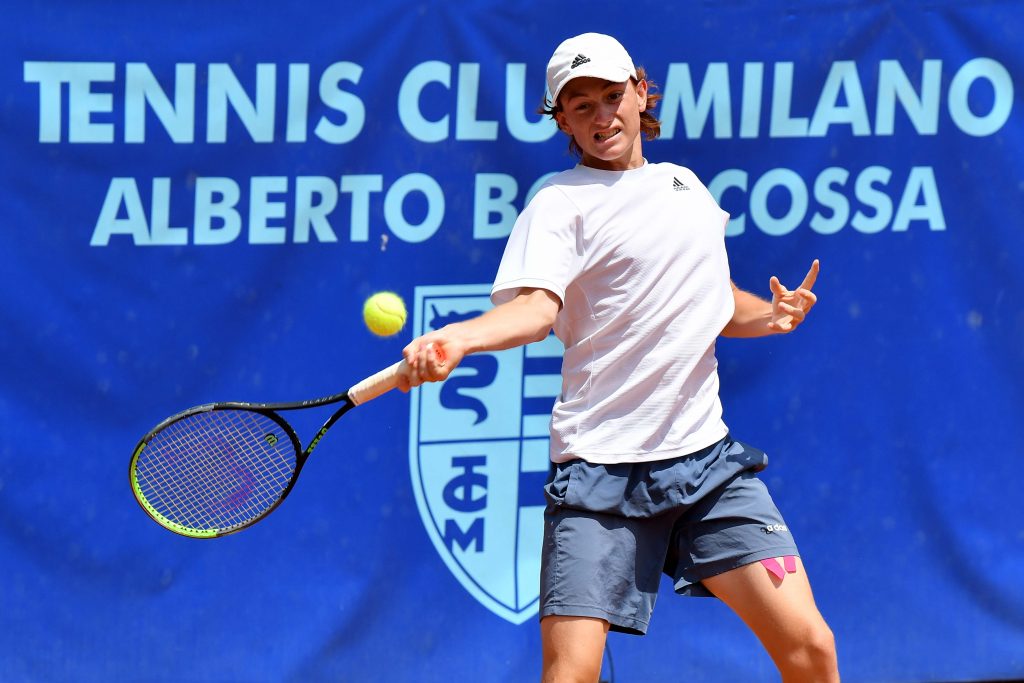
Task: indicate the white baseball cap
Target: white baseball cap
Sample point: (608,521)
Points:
(589,54)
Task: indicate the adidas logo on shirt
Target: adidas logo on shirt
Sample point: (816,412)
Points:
(580,59)
(678,184)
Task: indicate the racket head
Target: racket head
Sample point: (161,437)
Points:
(215,469)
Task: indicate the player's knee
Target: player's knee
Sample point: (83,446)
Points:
(815,652)
(571,670)
(822,644)
(570,676)
(571,667)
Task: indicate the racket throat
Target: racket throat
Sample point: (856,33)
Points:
(327,425)
(316,439)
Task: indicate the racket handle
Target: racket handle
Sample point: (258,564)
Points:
(385,380)
(376,384)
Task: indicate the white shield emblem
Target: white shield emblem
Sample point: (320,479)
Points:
(478,457)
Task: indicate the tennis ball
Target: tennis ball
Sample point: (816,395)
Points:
(384,313)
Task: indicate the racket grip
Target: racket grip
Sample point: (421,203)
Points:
(376,384)
(386,380)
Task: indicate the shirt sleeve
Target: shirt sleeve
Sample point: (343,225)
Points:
(544,250)
(707,193)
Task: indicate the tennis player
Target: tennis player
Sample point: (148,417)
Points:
(626,261)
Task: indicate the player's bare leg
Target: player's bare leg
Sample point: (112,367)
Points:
(782,614)
(573,649)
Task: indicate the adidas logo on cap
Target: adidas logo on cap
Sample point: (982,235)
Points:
(599,55)
(580,59)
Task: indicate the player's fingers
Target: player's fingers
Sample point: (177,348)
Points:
(436,354)
(402,382)
(404,379)
(412,375)
(411,351)
(419,363)
(411,378)
(807,295)
(812,275)
(426,363)
(434,366)
(806,299)
(792,311)
(777,289)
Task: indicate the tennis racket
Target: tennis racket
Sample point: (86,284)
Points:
(219,468)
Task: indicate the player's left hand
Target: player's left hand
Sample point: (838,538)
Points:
(790,308)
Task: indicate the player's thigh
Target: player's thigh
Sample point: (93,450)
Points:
(573,648)
(781,612)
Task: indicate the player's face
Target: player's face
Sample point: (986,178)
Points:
(604,119)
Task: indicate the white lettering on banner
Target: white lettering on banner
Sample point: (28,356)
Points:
(122,192)
(280,210)
(257,116)
(519,126)
(298,103)
(361,187)
(262,210)
(82,101)
(467,125)
(394,214)
(315,198)
(714,96)
(486,204)
(216,199)
(918,201)
(750,116)
(225,95)
(219,219)
(141,88)
(161,231)
(922,110)
(1002,86)
(842,83)
(841,101)
(340,100)
(409,113)
(783,125)
(711,101)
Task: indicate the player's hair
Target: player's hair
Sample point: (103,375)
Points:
(650,126)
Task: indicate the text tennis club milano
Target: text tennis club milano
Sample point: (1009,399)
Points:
(283,209)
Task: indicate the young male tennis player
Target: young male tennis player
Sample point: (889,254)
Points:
(626,260)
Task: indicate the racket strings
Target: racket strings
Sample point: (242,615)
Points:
(217,469)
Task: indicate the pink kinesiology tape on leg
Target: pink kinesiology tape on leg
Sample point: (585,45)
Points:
(772,565)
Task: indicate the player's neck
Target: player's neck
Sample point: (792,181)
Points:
(633,159)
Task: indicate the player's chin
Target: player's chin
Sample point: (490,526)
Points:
(605,155)
(605,150)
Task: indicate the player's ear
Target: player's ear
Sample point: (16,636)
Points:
(563,123)
(641,94)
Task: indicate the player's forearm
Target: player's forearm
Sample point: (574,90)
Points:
(751,316)
(525,319)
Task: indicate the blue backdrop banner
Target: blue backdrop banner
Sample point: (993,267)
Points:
(198,198)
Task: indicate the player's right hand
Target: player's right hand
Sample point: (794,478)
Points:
(430,358)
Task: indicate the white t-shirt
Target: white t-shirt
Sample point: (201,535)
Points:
(638,260)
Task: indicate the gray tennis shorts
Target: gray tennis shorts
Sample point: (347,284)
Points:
(611,531)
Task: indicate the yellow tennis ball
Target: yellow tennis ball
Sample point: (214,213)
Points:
(384,313)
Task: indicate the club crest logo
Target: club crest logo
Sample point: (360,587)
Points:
(478,456)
